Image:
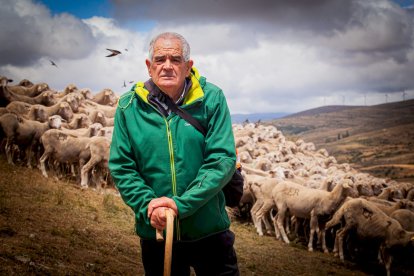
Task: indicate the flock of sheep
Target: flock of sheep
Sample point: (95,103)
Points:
(305,192)
(291,188)
(69,131)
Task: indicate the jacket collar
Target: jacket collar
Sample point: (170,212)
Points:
(195,92)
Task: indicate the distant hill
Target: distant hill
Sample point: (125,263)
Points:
(379,138)
(322,109)
(254,117)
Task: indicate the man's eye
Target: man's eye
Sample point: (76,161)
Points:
(177,59)
(159,59)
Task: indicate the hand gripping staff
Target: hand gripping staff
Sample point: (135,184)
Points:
(168,242)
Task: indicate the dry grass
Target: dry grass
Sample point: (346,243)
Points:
(50,227)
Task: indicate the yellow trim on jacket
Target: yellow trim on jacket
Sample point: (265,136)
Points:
(194,94)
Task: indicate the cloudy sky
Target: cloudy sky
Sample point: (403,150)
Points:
(266,55)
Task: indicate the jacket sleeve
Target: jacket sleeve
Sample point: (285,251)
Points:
(219,160)
(124,170)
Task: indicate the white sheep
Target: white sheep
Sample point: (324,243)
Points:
(42,113)
(106,132)
(303,202)
(99,151)
(31,91)
(79,120)
(260,187)
(105,97)
(90,131)
(44,98)
(99,117)
(64,149)
(369,223)
(24,133)
(89,106)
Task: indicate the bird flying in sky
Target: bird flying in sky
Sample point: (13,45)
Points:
(113,53)
(53,63)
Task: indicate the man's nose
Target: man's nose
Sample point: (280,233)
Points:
(167,64)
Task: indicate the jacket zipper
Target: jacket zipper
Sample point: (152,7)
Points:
(173,176)
(172,164)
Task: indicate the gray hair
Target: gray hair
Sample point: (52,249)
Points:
(184,44)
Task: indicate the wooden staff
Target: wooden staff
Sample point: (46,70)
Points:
(168,243)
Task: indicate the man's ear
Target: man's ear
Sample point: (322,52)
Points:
(148,63)
(190,65)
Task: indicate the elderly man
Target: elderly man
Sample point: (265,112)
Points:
(158,160)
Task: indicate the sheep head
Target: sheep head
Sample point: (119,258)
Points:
(42,87)
(55,121)
(95,128)
(65,111)
(70,88)
(87,94)
(4,81)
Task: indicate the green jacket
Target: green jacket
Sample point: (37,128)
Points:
(153,156)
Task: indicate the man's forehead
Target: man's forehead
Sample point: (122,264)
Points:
(167,46)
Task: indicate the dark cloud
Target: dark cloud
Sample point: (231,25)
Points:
(29,32)
(322,15)
(379,28)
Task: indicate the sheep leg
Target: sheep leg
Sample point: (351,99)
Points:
(386,259)
(9,152)
(323,239)
(99,178)
(340,234)
(288,224)
(277,232)
(29,156)
(268,225)
(256,221)
(72,170)
(293,223)
(335,248)
(86,168)
(42,160)
(263,215)
(313,227)
(58,168)
(84,182)
(280,220)
(85,174)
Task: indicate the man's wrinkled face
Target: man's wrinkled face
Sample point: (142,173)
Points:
(167,68)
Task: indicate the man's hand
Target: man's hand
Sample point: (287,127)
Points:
(156,211)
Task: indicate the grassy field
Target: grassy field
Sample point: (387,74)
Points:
(51,227)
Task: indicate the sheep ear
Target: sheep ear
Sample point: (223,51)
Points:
(367,213)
